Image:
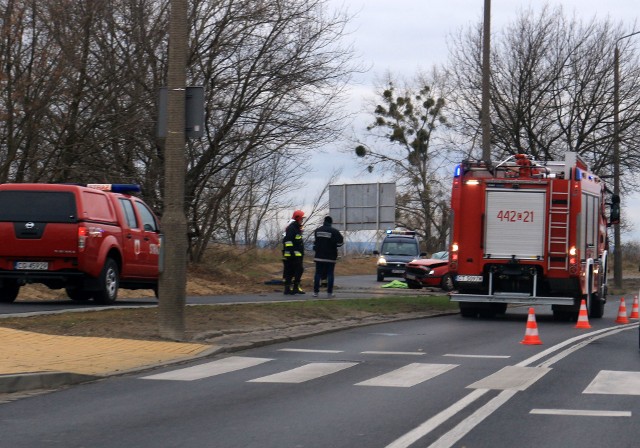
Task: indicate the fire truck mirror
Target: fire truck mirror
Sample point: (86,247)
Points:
(614,215)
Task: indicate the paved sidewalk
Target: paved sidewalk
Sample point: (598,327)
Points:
(34,361)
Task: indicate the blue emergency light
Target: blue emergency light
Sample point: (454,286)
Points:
(457,171)
(117,188)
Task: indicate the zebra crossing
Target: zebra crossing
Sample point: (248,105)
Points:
(409,375)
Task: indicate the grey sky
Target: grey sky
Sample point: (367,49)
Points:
(403,36)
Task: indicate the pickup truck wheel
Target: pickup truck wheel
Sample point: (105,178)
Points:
(9,291)
(109,282)
(78,294)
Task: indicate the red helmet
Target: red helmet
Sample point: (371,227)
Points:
(298,215)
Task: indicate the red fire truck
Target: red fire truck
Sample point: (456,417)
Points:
(528,232)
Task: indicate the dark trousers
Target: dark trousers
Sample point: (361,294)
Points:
(293,270)
(324,270)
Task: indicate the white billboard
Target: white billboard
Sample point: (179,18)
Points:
(363,206)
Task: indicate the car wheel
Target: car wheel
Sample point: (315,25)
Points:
(447,282)
(9,291)
(109,282)
(413,285)
(78,294)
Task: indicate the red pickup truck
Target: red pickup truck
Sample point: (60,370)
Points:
(90,240)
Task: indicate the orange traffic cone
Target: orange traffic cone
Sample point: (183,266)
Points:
(634,309)
(622,313)
(583,316)
(531,333)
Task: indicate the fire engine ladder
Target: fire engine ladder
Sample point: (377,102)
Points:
(558,242)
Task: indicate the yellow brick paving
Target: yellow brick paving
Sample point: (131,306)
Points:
(26,352)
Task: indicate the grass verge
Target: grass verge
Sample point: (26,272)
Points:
(142,323)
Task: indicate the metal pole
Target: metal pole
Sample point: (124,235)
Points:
(617,243)
(617,253)
(485,119)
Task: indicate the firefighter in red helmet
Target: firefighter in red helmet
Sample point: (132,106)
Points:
(293,254)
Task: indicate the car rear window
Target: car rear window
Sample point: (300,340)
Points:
(37,206)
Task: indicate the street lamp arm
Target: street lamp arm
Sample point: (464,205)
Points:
(628,35)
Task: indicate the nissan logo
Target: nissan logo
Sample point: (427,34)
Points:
(29,225)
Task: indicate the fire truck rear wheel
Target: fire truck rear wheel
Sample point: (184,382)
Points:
(468,310)
(596,306)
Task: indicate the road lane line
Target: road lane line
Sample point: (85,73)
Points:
(454,355)
(425,428)
(470,422)
(581,412)
(392,353)
(305,373)
(308,350)
(208,369)
(462,429)
(409,375)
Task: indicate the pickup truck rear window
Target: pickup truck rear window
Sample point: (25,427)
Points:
(37,206)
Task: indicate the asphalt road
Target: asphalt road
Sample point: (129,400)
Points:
(436,382)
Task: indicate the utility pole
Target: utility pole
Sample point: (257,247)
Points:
(617,243)
(173,278)
(485,119)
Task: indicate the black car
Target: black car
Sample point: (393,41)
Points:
(398,248)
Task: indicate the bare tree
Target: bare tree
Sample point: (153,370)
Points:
(551,89)
(79,88)
(405,126)
(274,74)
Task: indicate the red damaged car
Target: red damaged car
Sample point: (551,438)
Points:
(432,271)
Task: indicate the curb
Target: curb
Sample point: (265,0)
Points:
(41,380)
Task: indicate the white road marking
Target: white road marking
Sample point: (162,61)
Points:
(307,350)
(392,353)
(460,430)
(511,378)
(581,412)
(409,375)
(450,438)
(453,355)
(305,373)
(615,383)
(209,369)
(425,428)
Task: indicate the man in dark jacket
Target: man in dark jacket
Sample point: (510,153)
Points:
(293,254)
(326,243)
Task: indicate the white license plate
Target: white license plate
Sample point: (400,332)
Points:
(32,265)
(397,271)
(469,278)
(410,276)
